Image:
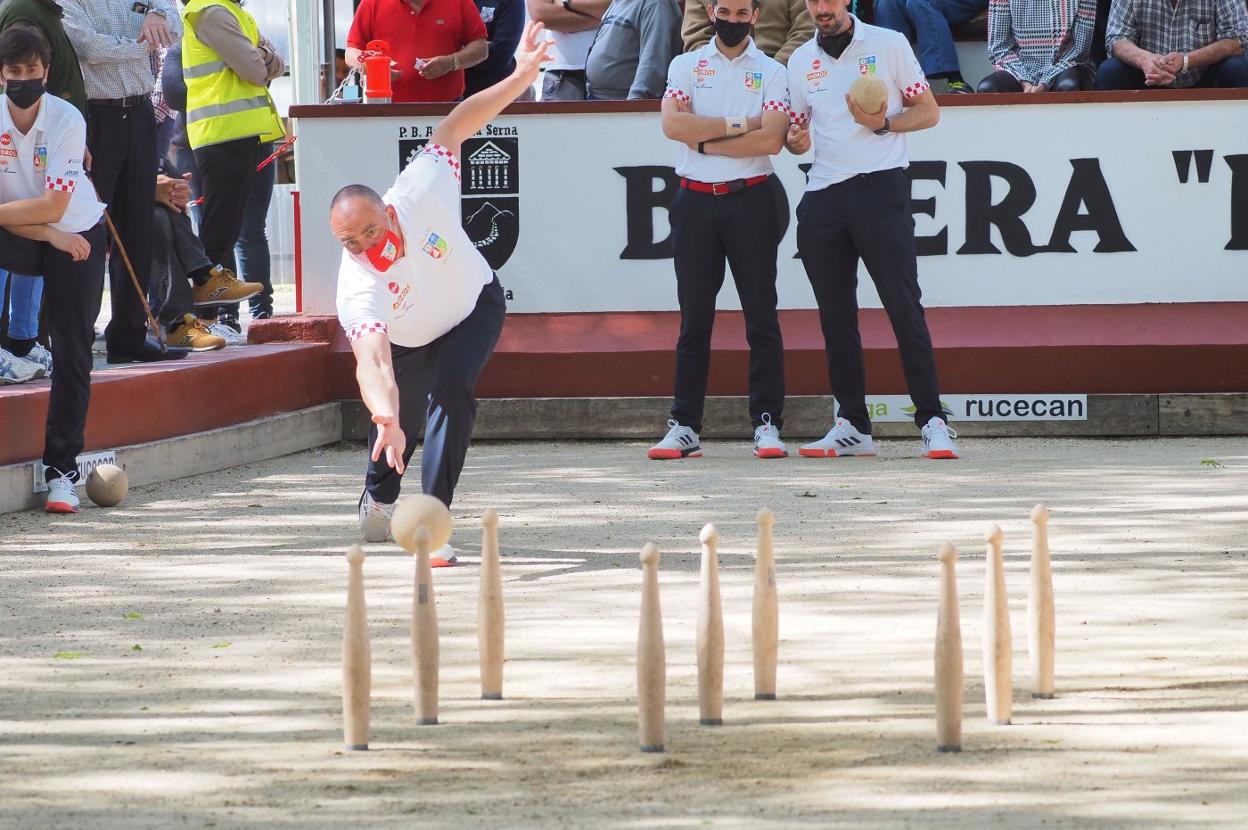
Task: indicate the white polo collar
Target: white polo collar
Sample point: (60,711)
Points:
(711,50)
(40,119)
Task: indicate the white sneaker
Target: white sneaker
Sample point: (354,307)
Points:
(444,557)
(842,439)
(228,334)
(767,443)
(938,440)
(375,519)
(43,357)
(61,495)
(680,442)
(14,369)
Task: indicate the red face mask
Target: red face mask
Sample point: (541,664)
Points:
(382,255)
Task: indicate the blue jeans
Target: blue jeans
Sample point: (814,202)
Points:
(1229,73)
(252,250)
(24,303)
(926,23)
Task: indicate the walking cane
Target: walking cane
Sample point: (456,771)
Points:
(138,289)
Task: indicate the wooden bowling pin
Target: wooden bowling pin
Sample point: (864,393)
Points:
(998,648)
(424,636)
(357,661)
(1040,618)
(651,657)
(490,611)
(710,634)
(766,631)
(949,679)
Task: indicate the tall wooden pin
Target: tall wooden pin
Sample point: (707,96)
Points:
(424,635)
(651,657)
(357,661)
(1040,616)
(490,611)
(998,648)
(949,678)
(766,632)
(710,634)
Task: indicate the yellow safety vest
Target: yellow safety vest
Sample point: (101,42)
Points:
(221,106)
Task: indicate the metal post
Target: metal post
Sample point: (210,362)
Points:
(328,30)
(304,48)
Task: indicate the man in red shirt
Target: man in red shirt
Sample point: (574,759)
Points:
(431,42)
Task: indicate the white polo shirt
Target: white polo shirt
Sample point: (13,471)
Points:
(436,283)
(744,86)
(818,84)
(49,157)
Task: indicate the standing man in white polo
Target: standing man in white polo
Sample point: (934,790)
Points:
(857,206)
(726,106)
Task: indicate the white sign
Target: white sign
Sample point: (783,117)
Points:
(1045,407)
(1051,204)
(87,462)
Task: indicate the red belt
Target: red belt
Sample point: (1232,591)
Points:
(723,188)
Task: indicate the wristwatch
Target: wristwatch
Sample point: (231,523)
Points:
(886,129)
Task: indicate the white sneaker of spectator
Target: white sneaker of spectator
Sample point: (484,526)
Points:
(232,336)
(43,357)
(843,439)
(14,369)
(61,495)
(767,443)
(938,440)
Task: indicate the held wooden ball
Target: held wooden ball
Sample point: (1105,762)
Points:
(107,485)
(416,512)
(869,93)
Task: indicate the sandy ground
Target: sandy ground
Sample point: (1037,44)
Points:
(174,662)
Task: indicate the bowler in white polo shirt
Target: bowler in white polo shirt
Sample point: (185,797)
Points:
(50,225)
(421,307)
(726,107)
(857,206)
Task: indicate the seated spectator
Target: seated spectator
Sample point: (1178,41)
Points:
(571,29)
(783,25)
(1152,43)
(926,23)
(50,225)
(504,21)
(431,41)
(21,347)
(1040,46)
(634,47)
(184,279)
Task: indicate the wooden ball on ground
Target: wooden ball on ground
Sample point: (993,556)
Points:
(107,485)
(869,93)
(415,512)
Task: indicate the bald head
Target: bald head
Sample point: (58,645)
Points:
(359,218)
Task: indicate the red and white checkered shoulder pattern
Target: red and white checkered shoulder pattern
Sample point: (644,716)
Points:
(439,152)
(776,106)
(61,184)
(801,119)
(915,90)
(678,94)
(357,331)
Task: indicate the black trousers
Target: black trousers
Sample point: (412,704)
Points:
(123,167)
(226,174)
(178,254)
(71,296)
(436,393)
(1075,79)
(745,229)
(867,217)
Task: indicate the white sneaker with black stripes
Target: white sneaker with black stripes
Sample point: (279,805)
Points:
(842,439)
(767,443)
(938,440)
(680,442)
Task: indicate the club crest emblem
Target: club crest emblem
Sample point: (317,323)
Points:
(866,66)
(754,81)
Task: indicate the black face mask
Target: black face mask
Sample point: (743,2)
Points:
(835,45)
(731,32)
(24,94)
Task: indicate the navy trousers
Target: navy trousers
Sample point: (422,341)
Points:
(437,384)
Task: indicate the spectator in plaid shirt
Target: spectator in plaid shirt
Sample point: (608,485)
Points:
(1199,43)
(1040,45)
